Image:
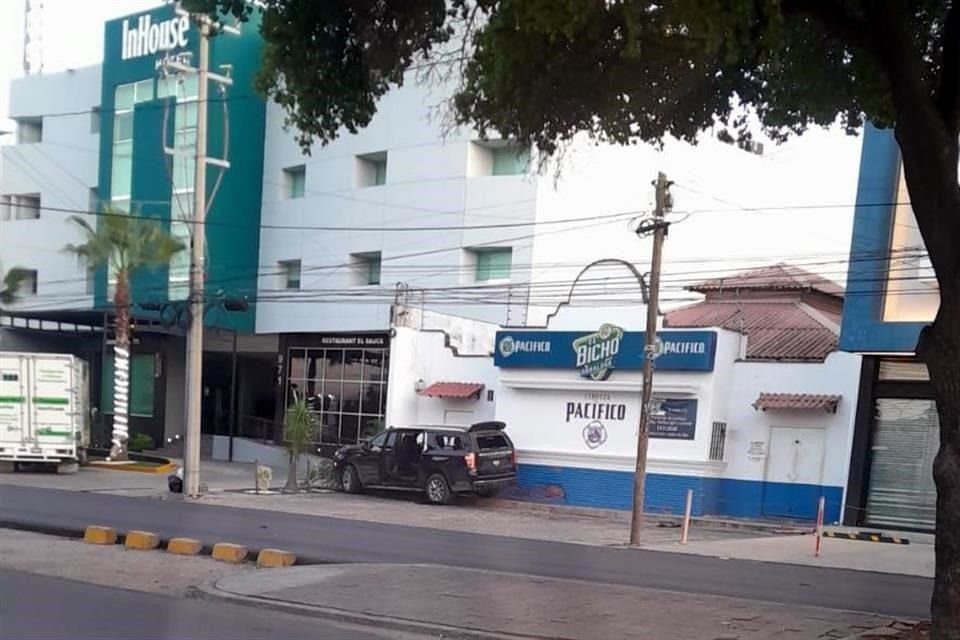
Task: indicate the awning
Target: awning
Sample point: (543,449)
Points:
(453,390)
(802,401)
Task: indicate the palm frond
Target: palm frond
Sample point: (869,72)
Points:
(11,284)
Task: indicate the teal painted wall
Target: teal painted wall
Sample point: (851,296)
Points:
(233,228)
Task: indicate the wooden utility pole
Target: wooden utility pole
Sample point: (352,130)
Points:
(658,226)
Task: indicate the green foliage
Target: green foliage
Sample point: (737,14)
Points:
(11,284)
(125,242)
(298,428)
(140,442)
(543,70)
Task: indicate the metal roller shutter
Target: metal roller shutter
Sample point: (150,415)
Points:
(906,437)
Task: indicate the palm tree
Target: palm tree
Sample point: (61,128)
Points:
(297,437)
(124,244)
(11,283)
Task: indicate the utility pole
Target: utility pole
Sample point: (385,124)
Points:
(196,302)
(191,455)
(658,226)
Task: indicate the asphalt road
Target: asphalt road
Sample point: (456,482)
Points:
(42,607)
(321,539)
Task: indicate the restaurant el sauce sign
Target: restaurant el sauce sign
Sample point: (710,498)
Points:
(596,354)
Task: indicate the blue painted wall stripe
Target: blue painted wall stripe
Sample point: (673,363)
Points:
(666,493)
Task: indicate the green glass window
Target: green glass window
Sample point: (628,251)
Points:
(373,269)
(493,264)
(510,161)
(380,173)
(123,97)
(141,385)
(121,176)
(295,181)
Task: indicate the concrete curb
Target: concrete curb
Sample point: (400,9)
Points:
(134,467)
(210,591)
(623,516)
(250,556)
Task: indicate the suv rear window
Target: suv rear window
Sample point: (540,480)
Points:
(492,441)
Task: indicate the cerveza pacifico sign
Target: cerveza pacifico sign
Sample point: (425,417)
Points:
(596,354)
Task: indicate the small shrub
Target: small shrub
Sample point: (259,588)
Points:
(140,442)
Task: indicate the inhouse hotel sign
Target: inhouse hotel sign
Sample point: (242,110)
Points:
(596,354)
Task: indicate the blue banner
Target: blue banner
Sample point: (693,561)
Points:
(596,354)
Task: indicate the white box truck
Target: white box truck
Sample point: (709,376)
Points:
(44,410)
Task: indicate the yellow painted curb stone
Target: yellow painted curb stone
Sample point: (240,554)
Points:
(275,558)
(95,534)
(141,540)
(228,552)
(184,546)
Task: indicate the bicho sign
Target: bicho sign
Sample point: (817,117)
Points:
(596,354)
(148,38)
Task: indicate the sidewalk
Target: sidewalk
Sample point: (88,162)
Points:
(916,559)
(482,604)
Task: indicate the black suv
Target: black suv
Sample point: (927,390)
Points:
(441,461)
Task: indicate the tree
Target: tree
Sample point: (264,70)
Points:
(543,71)
(11,285)
(297,437)
(125,244)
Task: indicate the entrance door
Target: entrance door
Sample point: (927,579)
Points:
(794,473)
(905,439)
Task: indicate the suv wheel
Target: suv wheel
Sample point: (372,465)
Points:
(438,490)
(487,492)
(350,480)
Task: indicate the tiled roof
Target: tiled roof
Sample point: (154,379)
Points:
(801,401)
(452,390)
(788,330)
(778,277)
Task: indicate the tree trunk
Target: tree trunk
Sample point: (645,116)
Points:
(121,370)
(939,347)
(292,486)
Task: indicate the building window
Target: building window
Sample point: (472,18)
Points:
(346,389)
(497,158)
(28,285)
(95,120)
(365,269)
(20,207)
(492,264)
(294,181)
(510,160)
(290,274)
(29,130)
(372,169)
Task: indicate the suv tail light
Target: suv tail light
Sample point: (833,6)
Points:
(471,461)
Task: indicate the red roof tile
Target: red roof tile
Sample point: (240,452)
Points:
(778,277)
(788,330)
(768,401)
(452,390)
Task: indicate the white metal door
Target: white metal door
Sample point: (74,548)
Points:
(794,472)
(52,401)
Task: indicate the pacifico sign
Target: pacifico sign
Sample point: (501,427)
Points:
(148,38)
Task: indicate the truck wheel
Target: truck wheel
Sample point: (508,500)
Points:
(67,468)
(350,480)
(438,490)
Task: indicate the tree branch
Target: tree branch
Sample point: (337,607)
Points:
(948,88)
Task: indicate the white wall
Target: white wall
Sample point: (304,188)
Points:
(427,185)
(838,375)
(422,355)
(62,169)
